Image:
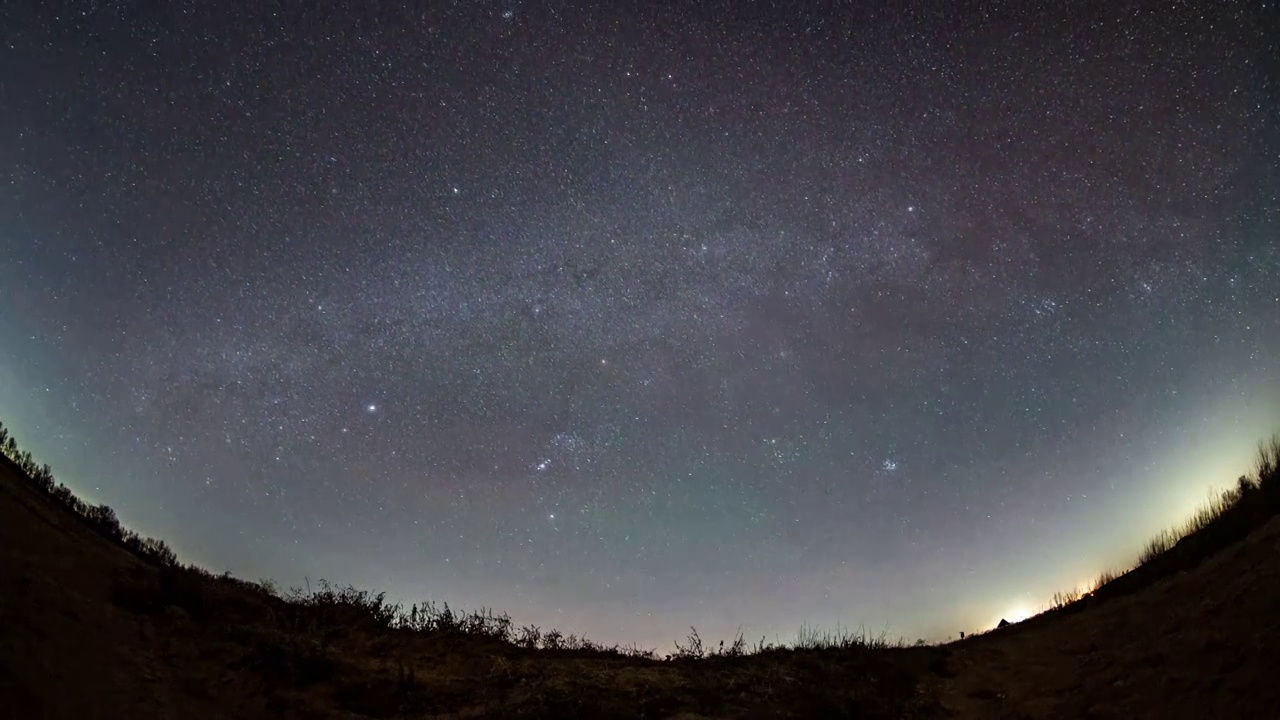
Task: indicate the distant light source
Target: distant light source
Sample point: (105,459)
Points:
(1018,613)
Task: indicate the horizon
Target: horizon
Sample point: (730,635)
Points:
(1027,605)
(625,320)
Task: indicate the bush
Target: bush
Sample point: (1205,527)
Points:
(159,552)
(104,520)
(43,478)
(1266,472)
(1064,598)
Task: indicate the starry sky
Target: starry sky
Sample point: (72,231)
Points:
(624,317)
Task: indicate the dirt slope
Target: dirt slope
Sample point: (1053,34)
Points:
(1203,643)
(66,651)
(89,631)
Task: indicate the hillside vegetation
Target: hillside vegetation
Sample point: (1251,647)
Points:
(100,622)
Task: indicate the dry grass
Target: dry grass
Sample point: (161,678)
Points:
(812,638)
(1064,598)
(340,651)
(1104,578)
(1227,514)
(1201,518)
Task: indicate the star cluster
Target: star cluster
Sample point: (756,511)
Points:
(629,316)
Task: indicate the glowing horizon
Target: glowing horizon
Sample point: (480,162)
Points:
(658,321)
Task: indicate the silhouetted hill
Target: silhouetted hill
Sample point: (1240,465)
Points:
(97,623)
(89,629)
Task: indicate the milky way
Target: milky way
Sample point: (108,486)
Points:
(646,315)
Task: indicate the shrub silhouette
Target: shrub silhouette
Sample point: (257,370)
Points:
(102,518)
(1227,517)
(320,614)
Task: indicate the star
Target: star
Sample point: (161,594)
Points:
(702,310)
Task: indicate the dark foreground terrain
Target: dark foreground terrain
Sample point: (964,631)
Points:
(89,629)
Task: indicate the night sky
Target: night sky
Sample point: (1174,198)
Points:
(623,317)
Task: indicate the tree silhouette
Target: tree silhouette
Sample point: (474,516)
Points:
(101,518)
